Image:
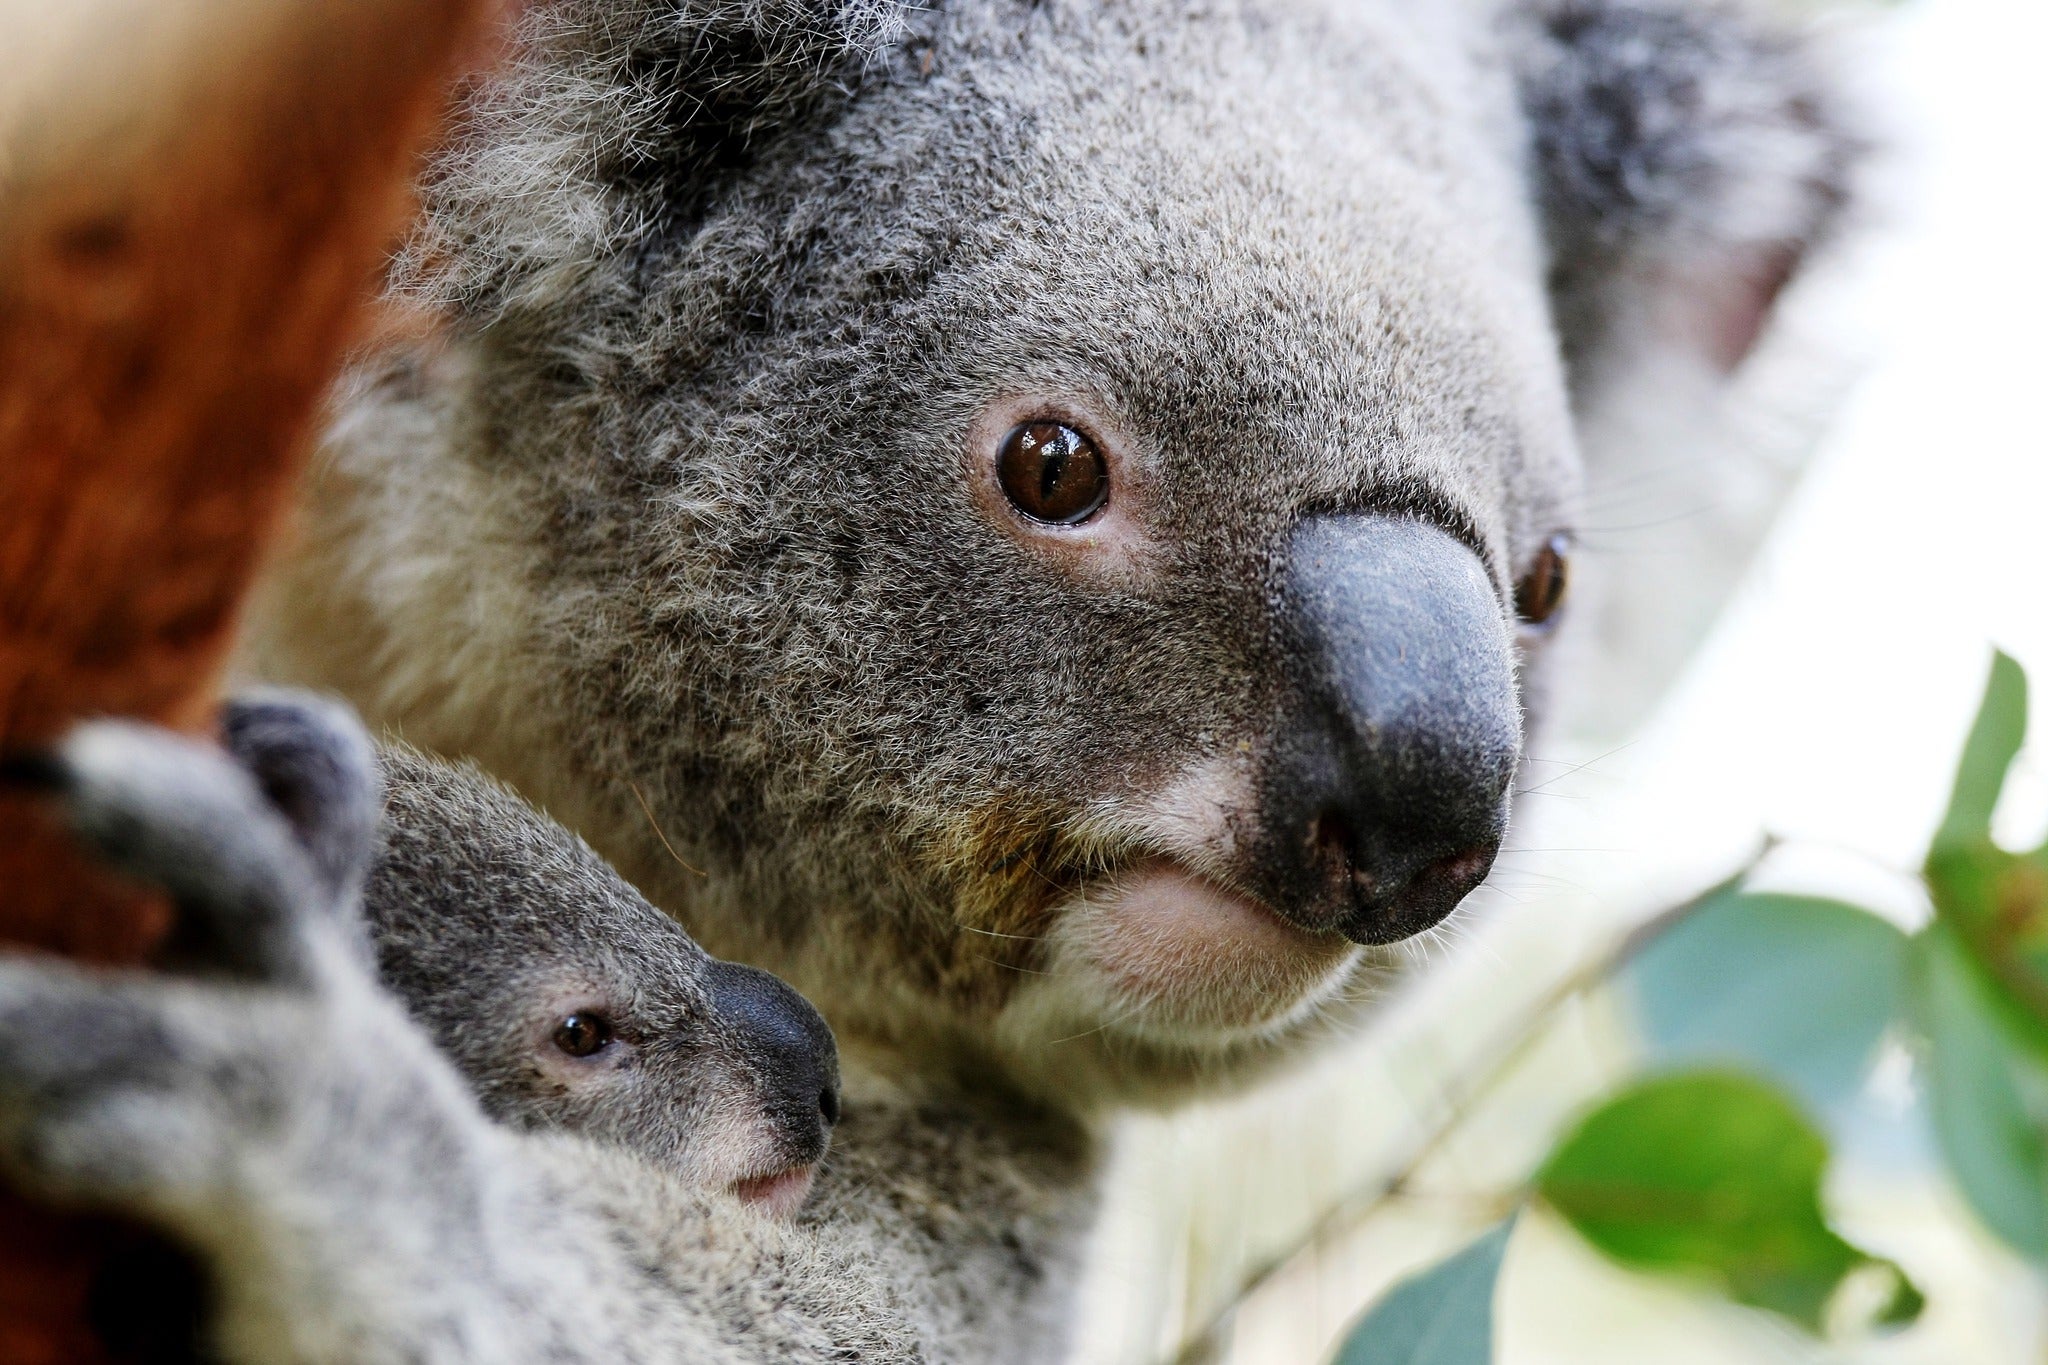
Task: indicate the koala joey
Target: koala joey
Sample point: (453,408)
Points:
(569,1002)
(1039,521)
(262,1101)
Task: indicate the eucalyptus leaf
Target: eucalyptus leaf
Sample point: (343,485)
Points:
(1442,1316)
(1995,738)
(1986,1087)
(1798,988)
(1714,1175)
(1995,903)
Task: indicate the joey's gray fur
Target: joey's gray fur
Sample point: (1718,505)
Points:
(677,485)
(490,922)
(495,926)
(277,1114)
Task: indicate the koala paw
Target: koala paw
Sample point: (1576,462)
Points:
(255,844)
(120,1089)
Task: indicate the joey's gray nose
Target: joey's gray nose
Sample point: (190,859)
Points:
(790,1049)
(1384,798)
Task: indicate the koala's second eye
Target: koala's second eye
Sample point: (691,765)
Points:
(1052,473)
(1540,591)
(583,1035)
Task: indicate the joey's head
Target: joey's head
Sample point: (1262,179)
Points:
(571,1003)
(1055,508)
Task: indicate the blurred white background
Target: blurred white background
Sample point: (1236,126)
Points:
(1825,705)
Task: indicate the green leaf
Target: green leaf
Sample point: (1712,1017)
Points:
(1997,905)
(1442,1316)
(1795,987)
(1713,1175)
(1995,902)
(1994,739)
(1986,1087)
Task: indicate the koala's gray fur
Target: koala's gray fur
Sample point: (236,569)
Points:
(279,1115)
(679,492)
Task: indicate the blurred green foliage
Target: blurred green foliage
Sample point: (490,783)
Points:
(1713,1174)
(1980,986)
(1797,988)
(1443,1316)
(1763,1014)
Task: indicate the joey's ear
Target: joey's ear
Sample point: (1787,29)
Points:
(616,120)
(314,762)
(1688,158)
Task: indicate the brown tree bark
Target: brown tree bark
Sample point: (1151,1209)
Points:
(194,198)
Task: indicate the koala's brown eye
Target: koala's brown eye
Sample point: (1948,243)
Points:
(583,1035)
(1052,473)
(1540,591)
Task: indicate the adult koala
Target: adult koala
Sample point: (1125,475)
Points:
(1032,520)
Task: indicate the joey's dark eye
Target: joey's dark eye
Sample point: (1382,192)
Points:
(583,1035)
(1540,591)
(1052,473)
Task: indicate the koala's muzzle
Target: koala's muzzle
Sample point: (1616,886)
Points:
(1384,799)
(790,1049)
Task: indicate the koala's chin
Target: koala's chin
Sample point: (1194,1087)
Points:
(1166,955)
(1170,950)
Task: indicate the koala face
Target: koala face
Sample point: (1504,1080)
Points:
(1053,506)
(572,1004)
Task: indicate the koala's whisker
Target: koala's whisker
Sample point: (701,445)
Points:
(853,1194)
(1049,880)
(1555,879)
(1501,891)
(1527,851)
(1106,1024)
(1573,769)
(1010,966)
(996,933)
(1571,763)
(655,825)
(1585,533)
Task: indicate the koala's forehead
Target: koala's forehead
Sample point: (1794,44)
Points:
(1279,241)
(470,880)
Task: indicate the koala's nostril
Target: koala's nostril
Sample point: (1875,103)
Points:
(1336,843)
(828,1105)
(1394,906)
(1334,838)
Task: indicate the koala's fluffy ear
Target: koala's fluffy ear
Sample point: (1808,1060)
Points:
(1688,158)
(616,119)
(702,81)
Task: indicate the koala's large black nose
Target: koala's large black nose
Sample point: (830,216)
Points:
(1385,797)
(791,1049)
